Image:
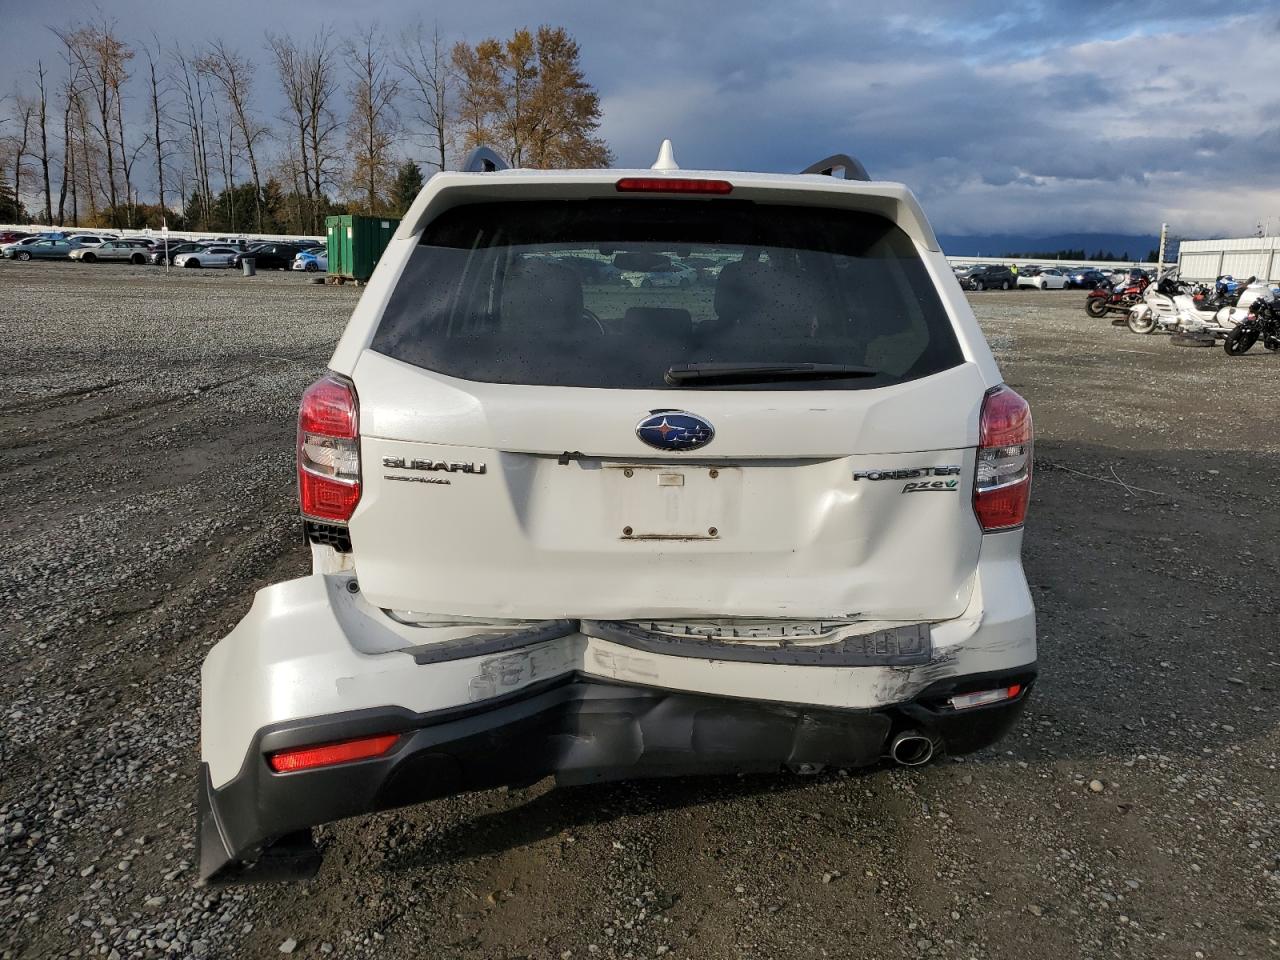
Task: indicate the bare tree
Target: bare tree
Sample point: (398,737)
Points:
(68,150)
(43,118)
(323,123)
(372,124)
(87,162)
(158,120)
(103,59)
(233,73)
(288,62)
(425,62)
(309,82)
(19,144)
(191,86)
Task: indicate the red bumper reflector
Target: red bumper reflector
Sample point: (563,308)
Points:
(985,698)
(328,754)
(672,185)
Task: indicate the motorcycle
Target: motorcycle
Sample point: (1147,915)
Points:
(1226,292)
(1118,298)
(1261,322)
(1168,305)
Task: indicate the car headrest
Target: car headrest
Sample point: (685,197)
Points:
(769,297)
(658,322)
(541,297)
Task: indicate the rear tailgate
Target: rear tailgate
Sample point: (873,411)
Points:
(805,505)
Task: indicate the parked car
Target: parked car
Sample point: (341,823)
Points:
(270,256)
(1047,278)
(7,250)
(532,557)
(988,276)
(1085,279)
(312,261)
(41,249)
(598,272)
(217,256)
(89,239)
(164,252)
(12,236)
(645,270)
(707,271)
(131,251)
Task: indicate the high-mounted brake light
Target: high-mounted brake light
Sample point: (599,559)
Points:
(328,754)
(329,450)
(672,185)
(1002,483)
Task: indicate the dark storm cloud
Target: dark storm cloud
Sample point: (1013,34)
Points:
(1047,116)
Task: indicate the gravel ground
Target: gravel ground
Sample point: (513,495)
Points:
(146,435)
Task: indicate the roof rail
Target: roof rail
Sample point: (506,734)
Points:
(853,170)
(484,160)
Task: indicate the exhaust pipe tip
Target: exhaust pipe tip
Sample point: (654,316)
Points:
(911,748)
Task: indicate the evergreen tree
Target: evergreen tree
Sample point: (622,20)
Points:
(406,187)
(11,210)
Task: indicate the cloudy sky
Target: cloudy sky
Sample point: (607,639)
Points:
(1061,116)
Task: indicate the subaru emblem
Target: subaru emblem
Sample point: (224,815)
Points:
(675,430)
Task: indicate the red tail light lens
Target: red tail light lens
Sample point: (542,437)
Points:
(1002,484)
(329,450)
(328,754)
(672,185)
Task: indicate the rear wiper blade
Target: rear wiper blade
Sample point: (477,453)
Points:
(688,373)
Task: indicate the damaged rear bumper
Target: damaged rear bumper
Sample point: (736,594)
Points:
(314,663)
(578,729)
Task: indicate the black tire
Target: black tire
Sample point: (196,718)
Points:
(137,259)
(1146,325)
(1096,306)
(192,265)
(1239,341)
(977,285)
(89,258)
(22,255)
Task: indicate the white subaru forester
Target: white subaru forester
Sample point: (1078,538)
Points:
(563,524)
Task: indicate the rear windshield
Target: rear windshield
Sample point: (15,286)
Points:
(617,293)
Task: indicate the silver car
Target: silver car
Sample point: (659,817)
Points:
(131,251)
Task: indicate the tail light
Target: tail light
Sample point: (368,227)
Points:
(329,450)
(1002,484)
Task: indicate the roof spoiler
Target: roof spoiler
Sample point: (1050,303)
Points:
(853,170)
(484,160)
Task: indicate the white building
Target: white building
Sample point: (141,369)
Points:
(1248,257)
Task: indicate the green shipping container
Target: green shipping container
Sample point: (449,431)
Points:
(356,243)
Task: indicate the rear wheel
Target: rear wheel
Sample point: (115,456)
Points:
(1004,284)
(1096,306)
(1239,341)
(137,259)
